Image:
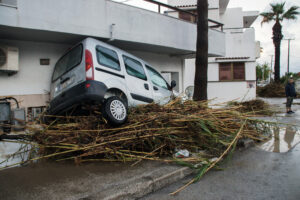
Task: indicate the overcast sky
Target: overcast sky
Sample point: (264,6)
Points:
(291,29)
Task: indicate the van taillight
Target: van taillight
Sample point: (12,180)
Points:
(89,69)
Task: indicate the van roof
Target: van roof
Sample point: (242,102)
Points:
(89,39)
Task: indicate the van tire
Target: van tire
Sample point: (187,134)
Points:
(115,111)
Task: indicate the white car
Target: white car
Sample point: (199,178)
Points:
(96,72)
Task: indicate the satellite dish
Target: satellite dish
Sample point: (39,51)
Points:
(189,92)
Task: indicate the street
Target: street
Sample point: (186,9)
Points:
(254,174)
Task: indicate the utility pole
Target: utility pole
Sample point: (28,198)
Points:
(288,59)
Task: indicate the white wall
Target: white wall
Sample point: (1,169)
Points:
(32,77)
(223,92)
(241,43)
(232,18)
(250,70)
(94,18)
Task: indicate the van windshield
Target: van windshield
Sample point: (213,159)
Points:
(67,62)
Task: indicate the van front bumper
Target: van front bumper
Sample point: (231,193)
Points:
(88,91)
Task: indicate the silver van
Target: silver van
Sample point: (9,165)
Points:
(94,72)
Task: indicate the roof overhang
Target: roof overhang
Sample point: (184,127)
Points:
(232,59)
(24,34)
(249,17)
(223,5)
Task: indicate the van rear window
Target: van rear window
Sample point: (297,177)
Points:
(67,62)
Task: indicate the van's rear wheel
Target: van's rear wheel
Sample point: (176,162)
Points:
(114,110)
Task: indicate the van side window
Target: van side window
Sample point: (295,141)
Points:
(134,68)
(108,58)
(156,78)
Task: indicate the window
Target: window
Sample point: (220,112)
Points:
(156,78)
(34,113)
(232,71)
(67,62)
(108,58)
(134,68)
(188,17)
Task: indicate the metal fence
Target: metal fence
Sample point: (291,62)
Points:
(212,23)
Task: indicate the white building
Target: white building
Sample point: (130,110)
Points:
(35,33)
(232,76)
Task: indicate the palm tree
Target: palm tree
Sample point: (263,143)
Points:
(262,72)
(200,90)
(278,14)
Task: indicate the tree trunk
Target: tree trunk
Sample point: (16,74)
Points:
(277,37)
(200,90)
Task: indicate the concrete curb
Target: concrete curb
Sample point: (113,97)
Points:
(143,185)
(147,184)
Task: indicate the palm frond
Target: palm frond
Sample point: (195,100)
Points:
(278,8)
(267,17)
(291,13)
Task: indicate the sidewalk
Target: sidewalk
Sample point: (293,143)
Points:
(89,181)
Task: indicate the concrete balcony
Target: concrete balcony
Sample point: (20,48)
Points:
(241,44)
(128,27)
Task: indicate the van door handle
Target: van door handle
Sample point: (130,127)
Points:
(146,86)
(64,80)
(155,88)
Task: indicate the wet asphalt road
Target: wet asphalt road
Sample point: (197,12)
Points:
(253,174)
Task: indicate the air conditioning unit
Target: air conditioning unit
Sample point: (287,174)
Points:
(9,59)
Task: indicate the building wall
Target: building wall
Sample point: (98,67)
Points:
(232,18)
(96,17)
(223,91)
(241,43)
(31,84)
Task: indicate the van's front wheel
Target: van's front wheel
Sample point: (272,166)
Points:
(114,110)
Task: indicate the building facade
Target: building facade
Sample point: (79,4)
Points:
(34,34)
(232,76)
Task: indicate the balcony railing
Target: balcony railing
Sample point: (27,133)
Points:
(214,24)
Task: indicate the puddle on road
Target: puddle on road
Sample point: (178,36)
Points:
(282,140)
(13,153)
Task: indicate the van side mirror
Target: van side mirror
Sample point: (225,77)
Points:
(173,84)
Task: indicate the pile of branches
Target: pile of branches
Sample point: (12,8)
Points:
(153,132)
(257,106)
(273,89)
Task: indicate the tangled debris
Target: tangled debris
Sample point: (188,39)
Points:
(273,89)
(257,106)
(153,132)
